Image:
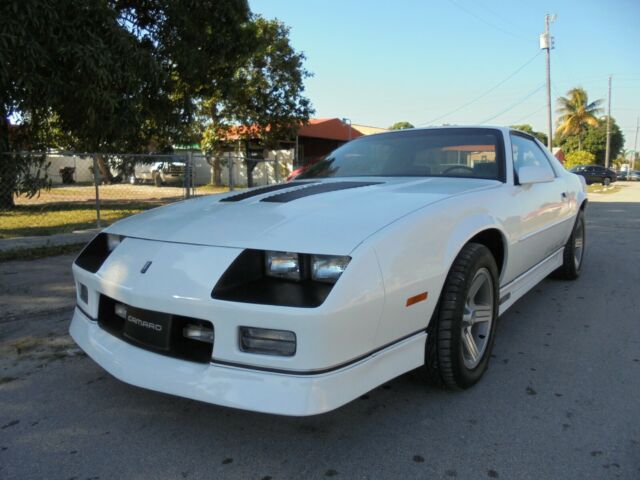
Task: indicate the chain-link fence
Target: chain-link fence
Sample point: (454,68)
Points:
(91,190)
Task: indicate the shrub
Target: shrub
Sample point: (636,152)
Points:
(579,157)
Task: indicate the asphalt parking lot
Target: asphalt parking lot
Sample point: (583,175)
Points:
(560,399)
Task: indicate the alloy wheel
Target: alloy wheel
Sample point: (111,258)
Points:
(477,318)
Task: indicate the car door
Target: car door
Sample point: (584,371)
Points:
(542,208)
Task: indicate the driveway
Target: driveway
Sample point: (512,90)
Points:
(560,399)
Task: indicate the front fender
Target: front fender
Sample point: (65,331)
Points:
(472,226)
(415,255)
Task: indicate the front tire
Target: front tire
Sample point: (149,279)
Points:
(461,334)
(573,251)
(606,182)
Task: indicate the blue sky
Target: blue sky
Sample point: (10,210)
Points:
(380,61)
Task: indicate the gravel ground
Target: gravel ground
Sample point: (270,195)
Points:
(560,400)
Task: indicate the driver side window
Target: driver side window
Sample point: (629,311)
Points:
(526,153)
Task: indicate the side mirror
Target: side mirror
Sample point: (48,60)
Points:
(533,174)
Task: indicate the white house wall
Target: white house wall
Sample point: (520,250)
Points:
(263,174)
(82,167)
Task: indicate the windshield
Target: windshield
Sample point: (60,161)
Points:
(443,152)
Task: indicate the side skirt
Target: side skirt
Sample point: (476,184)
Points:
(515,289)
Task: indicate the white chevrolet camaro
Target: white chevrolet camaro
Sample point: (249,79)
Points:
(396,252)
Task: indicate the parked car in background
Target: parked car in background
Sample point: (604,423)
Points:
(300,170)
(632,176)
(398,251)
(595,174)
(159,173)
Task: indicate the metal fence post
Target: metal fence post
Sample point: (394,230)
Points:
(96,182)
(231,164)
(188,174)
(276,167)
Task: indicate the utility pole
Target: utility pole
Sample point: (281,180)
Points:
(635,147)
(608,151)
(546,43)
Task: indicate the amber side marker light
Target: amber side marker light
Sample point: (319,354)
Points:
(417,298)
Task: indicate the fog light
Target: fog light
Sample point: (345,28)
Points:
(120,310)
(200,333)
(267,341)
(83,293)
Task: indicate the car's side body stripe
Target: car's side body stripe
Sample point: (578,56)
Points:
(315,190)
(261,191)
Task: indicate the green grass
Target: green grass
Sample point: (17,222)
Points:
(39,252)
(208,188)
(49,219)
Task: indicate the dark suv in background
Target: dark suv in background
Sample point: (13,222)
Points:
(595,174)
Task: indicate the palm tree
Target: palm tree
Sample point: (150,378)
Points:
(577,114)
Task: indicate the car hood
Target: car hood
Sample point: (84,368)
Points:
(329,216)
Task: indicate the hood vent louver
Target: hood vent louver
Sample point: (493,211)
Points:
(315,190)
(261,191)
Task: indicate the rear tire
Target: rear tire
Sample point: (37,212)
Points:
(461,334)
(606,182)
(573,251)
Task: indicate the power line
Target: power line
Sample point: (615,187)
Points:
(485,21)
(526,117)
(498,15)
(483,94)
(514,105)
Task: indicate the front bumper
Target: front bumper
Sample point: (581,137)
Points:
(245,388)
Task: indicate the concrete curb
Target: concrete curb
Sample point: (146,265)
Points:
(24,243)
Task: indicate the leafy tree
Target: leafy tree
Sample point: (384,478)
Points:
(621,159)
(594,140)
(401,126)
(266,95)
(122,75)
(26,173)
(525,127)
(578,157)
(577,113)
(66,57)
